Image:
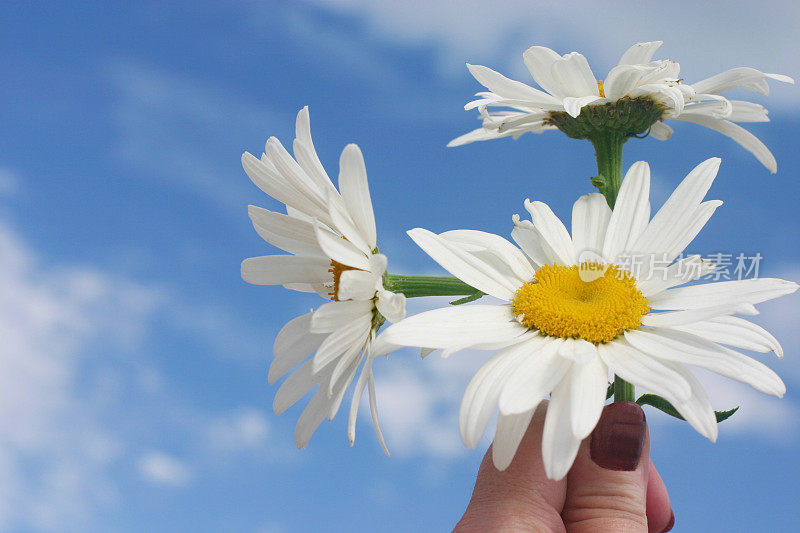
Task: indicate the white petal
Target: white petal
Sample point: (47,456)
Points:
(290,234)
(737,332)
(346,368)
(466,267)
(345,225)
(354,333)
(631,212)
(462,326)
(312,416)
(690,316)
(589,383)
(742,111)
(573,105)
(355,191)
(296,177)
(509,257)
(575,76)
(358,392)
(622,79)
(267,178)
(293,343)
(534,378)
(280,269)
(552,231)
(357,285)
(481,395)
(746,77)
(642,370)
(294,387)
(306,154)
(697,408)
(577,350)
(681,203)
(334,315)
(640,53)
(750,291)
(479,134)
(674,345)
(539,60)
(507,88)
(391,305)
(590,216)
(747,140)
(339,249)
(531,242)
(373,409)
(559,444)
(509,433)
(660,131)
(659,279)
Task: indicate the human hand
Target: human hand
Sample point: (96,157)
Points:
(612,486)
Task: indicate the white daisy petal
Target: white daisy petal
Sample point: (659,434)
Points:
(590,216)
(572,71)
(460,326)
(292,235)
(631,212)
(480,397)
(683,271)
(577,350)
(539,60)
(681,203)
(573,106)
(294,387)
(346,226)
(674,345)
(660,131)
(306,154)
(312,416)
(622,79)
(746,77)
(735,331)
(507,88)
(294,343)
(559,444)
(640,53)
(534,378)
(508,255)
(531,242)
(635,367)
(684,233)
(697,408)
(339,249)
(373,410)
(745,291)
(589,382)
(266,177)
(357,285)
(391,305)
(340,341)
(509,433)
(747,140)
(690,316)
(464,266)
(358,392)
(333,315)
(552,231)
(355,191)
(280,269)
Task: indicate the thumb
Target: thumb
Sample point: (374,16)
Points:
(607,486)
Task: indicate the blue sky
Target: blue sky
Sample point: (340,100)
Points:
(133,360)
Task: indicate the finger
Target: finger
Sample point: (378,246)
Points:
(659,512)
(520,498)
(606,488)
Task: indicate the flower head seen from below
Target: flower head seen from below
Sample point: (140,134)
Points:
(635,98)
(331,240)
(574,310)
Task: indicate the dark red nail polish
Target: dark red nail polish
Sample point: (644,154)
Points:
(671,522)
(619,436)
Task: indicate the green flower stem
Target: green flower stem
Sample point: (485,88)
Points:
(608,149)
(415,286)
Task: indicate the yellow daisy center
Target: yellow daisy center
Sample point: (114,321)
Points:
(600,88)
(561,304)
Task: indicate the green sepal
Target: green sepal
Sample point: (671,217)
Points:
(663,405)
(610,390)
(467,299)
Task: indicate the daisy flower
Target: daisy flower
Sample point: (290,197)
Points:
(638,95)
(565,321)
(330,238)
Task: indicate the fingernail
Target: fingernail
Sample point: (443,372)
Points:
(671,522)
(618,438)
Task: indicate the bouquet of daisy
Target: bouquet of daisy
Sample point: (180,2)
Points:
(574,316)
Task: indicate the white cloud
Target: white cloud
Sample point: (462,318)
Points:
(704,37)
(162,469)
(55,449)
(243,429)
